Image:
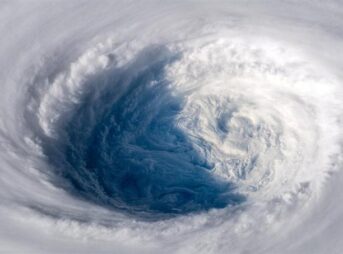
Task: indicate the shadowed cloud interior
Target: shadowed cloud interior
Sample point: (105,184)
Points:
(123,148)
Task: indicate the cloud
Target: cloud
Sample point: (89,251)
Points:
(187,127)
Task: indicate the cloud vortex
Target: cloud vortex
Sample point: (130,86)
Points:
(174,126)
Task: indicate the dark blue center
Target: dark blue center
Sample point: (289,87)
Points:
(123,149)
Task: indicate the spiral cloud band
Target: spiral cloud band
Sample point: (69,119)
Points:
(171,127)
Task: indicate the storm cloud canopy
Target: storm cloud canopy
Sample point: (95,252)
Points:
(174,126)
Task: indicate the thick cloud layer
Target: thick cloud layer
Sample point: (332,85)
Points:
(174,126)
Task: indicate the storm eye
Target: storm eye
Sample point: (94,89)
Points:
(125,150)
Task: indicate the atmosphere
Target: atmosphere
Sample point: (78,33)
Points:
(186,127)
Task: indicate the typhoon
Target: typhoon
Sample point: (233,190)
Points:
(171,127)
